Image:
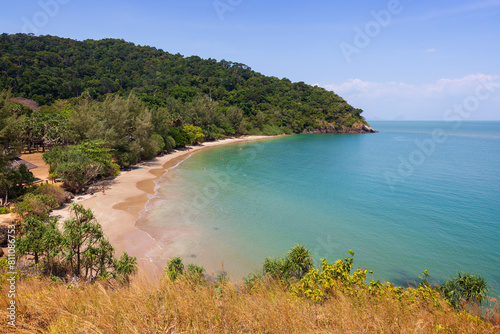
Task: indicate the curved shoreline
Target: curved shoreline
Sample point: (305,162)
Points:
(119,208)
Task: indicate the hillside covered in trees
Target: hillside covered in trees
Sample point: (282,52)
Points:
(99,106)
(48,69)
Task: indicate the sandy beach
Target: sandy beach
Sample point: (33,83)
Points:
(118,208)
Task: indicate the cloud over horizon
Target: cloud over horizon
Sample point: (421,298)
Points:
(396,100)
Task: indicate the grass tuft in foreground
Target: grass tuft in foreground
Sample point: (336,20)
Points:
(326,300)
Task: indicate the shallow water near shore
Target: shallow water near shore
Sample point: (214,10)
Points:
(415,196)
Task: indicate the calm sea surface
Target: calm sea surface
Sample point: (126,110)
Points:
(415,196)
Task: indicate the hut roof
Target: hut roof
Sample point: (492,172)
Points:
(16,162)
(25,102)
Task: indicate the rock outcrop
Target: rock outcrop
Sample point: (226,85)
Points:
(4,235)
(5,220)
(368,129)
(356,128)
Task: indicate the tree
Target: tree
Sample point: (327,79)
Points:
(465,289)
(10,147)
(193,90)
(195,273)
(46,129)
(103,263)
(31,242)
(77,170)
(53,242)
(149,144)
(169,143)
(296,263)
(174,268)
(201,112)
(40,238)
(299,261)
(35,205)
(5,183)
(125,126)
(235,117)
(82,234)
(13,180)
(180,136)
(194,132)
(81,244)
(125,266)
(21,176)
(79,165)
(82,118)
(10,127)
(161,120)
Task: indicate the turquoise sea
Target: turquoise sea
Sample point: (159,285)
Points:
(416,196)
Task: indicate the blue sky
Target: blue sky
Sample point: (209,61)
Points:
(397,59)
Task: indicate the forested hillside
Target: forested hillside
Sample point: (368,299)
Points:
(47,69)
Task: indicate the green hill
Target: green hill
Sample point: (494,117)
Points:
(48,68)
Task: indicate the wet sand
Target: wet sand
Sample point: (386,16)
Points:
(118,208)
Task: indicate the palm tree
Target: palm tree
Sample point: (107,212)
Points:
(125,266)
(31,242)
(175,267)
(52,241)
(104,258)
(465,289)
(81,233)
(298,261)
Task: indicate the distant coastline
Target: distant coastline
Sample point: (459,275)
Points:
(359,128)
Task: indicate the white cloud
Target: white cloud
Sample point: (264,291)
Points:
(441,88)
(418,101)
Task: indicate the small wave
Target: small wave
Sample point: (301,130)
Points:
(151,197)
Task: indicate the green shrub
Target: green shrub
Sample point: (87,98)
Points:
(36,204)
(158,143)
(194,132)
(169,143)
(464,290)
(215,133)
(53,191)
(115,168)
(296,263)
(271,130)
(4,210)
(180,136)
(254,132)
(174,268)
(195,273)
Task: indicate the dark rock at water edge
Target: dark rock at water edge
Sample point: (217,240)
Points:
(362,128)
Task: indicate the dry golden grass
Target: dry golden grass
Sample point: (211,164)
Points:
(183,307)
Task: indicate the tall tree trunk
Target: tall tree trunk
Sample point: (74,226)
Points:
(78,262)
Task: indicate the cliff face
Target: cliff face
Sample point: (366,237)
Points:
(356,128)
